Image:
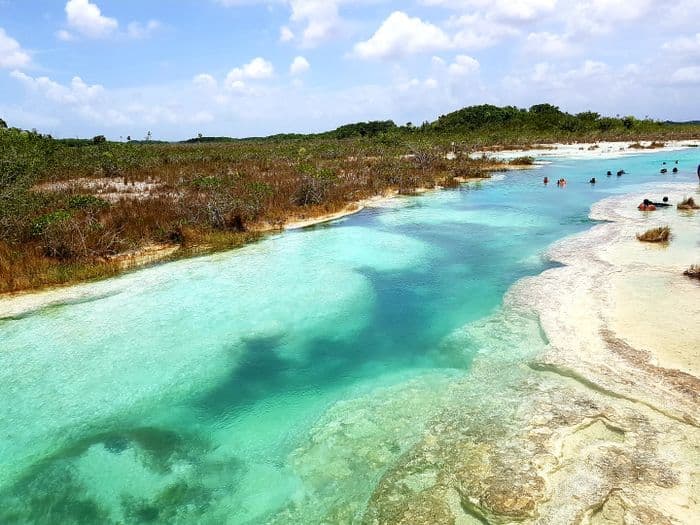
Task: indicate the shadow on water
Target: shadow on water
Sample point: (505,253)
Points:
(54,490)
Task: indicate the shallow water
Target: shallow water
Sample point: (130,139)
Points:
(279,381)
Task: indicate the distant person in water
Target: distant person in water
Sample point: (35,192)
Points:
(592,181)
(663,204)
(647,205)
(546,180)
(620,173)
(675,170)
(698,171)
(609,173)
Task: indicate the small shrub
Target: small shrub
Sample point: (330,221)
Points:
(99,139)
(522,161)
(688,204)
(43,223)
(662,234)
(693,271)
(204,183)
(87,202)
(450,182)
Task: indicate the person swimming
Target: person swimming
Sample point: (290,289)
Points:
(646,205)
(592,181)
(609,173)
(663,204)
(620,173)
(546,180)
(664,171)
(675,170)
(698,171)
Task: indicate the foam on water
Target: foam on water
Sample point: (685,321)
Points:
(278,382)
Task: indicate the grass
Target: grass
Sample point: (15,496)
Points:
(688,204)
(693,271)
(69,208)
(522,161)
(655,235)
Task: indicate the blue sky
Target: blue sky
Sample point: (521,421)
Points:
(254,67)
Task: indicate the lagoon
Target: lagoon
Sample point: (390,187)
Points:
(277,383)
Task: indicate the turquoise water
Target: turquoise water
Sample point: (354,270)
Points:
(276,383)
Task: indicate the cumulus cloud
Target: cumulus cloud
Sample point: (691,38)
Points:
(299,66)
(11,53)
(320,19)
(76,92)
(87,19)
(84,18)
(684,45)
(401,35)
(256,69)
(205,81)
(545,43)
(686,75)
(463,65)
(516,10)
(286,34)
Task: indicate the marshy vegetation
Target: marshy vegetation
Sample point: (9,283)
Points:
(656,235)
(688,204)
(70,209)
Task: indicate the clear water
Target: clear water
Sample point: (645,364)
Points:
(277,382)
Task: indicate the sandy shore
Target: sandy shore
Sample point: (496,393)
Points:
(588,150)
(602,425)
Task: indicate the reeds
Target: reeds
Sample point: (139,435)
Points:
(655,235)
(693,271)
(688,204)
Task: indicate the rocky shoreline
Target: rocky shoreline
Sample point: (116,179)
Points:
(593,427)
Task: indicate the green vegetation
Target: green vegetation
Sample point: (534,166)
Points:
(70,207)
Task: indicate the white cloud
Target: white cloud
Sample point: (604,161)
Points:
(463,65)
(64,35)
(87,19)
(597,17)
(138,30)
(514,10)
(205,81)
(320,18)
(299,66)
(77,92)
(401,35)
(686,75)
(11,53)
(545,43)
(286,34)
(474,31)
(256,69)
(685,45)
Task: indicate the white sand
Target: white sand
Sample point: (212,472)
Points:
(587,150)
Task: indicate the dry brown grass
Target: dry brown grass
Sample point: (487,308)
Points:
(688,204)
(693,271)
(200,198)
(657,235)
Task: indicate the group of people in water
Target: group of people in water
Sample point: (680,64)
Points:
(675,169)
(560,182)
(647,205)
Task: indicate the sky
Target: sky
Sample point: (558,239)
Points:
(244,68)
